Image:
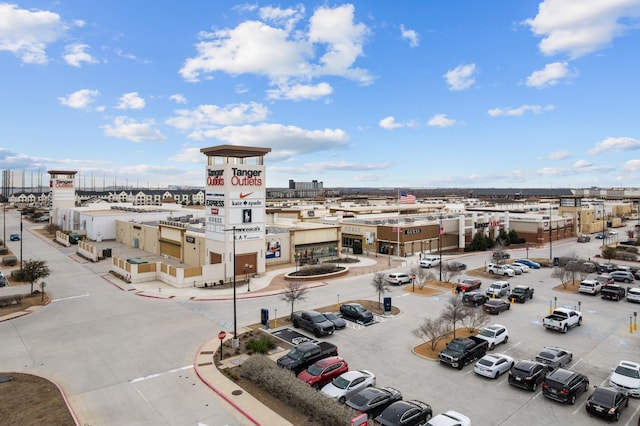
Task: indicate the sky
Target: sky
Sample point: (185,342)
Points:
(404,94)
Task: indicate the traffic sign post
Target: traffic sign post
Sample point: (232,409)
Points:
(221,336)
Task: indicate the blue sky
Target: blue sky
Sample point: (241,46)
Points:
(407,94)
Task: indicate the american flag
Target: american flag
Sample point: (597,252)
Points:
(407,198)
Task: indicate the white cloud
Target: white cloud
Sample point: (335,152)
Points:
(559,155)
(207,116)
(581,27)
(461,77)
(389,123)
(286,18)
(521,110)
(287,56)
(441,120)
(300,91)
(631,166)
(27,33)
(580,164)
(178,98)
(286,141)
(75,55)
(127,128)
(188,155)
(550,75)
(410,35)
(616,144)
(80,99)
(130,100)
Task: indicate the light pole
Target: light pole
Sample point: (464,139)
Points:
(235,342)
(296,257)
(550,237)
(21,240)
(440,230)
(247,269)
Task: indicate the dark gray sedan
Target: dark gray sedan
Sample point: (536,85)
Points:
(338,322)
(554,357)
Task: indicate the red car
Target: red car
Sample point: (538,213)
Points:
(468,285)
(324,371)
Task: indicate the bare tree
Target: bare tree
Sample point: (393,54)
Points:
(379,282)
(609,253)
(423,275)
(449,273)
(583,271)
(562,274)
(432,330)
(454,312)
(293,292)
(499,255)
(474,319)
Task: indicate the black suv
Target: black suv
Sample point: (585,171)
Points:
(474,298)
(521,293)
(527,374)
(565,385)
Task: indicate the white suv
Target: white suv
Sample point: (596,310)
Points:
(499,289)
(397,278)
(494,334)
(429,261)
(633,294)
(590,287)
(493,268)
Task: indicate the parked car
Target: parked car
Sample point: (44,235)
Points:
(474,298)
(14,237)
(449,418)
(599,236)
(626,378)
(312,321)
(494,268)
(493,365)
(565,385)
(468,285)
(338,322)
(429,261)
(606,268)
(527,374)
(373,400)
(494,334)
(356,312)
(524,268)
(454,265)
(633,295)
(462,351)
(347,384)
(305,354)
(495,306)
(604,279)
(529,263)
(521,293)
(516,270)
(613,292)
(613,232)
(554,357)
(499,288)
(590,287)
(405,413)
(584,239)
(397,278)
(607,402)
(323,371)
(622,276)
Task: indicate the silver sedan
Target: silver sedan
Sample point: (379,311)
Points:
(493,365)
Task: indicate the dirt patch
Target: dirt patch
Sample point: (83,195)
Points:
(32,400)
(569,287)
(425,348)
(28,301)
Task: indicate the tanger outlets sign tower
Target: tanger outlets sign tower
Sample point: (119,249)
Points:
(63,196)
(235,208)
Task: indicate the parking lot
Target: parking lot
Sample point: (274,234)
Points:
(603,339)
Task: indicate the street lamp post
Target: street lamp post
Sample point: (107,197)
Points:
(550,237)
(440,246)
(21,240)
(247,269)
(235,343)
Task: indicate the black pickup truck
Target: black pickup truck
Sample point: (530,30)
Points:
(521,293)
(462,351)
(305,354)
(613,292)
(312,321)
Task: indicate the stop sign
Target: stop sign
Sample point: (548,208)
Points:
(222,335)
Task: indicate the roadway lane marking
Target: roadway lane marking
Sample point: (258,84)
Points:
(71,297)
(153,376)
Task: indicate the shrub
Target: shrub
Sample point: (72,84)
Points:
(261,345)
(284,385)
(18,275)
(622,255)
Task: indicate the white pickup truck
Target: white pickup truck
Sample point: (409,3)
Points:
(562,319)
